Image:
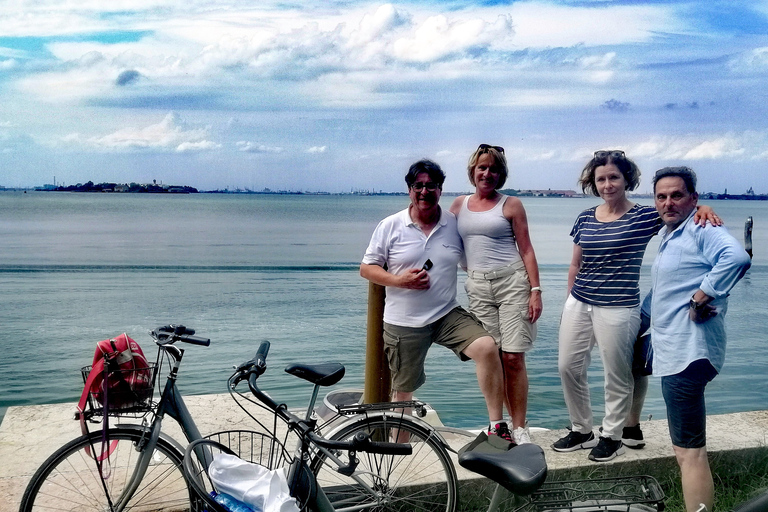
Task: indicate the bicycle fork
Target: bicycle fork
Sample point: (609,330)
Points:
(146,450)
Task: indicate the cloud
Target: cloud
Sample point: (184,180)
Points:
(13,53)
(317,149)
(439,37)
(346,56)
(170,134)
(752,61)
(193,147)
(616,105)
(748,145)
(127,77)
(549,25)
(374,26)
(252,147)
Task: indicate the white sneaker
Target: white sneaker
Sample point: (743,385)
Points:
(522,435)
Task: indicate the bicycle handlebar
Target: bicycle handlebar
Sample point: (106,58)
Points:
(169,334)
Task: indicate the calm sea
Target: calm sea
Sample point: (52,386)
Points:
(78,268)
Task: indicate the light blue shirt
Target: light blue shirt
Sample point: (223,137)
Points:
(689,258)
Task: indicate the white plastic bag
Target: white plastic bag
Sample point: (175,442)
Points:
(253,484)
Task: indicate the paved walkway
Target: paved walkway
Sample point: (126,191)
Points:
(28,435)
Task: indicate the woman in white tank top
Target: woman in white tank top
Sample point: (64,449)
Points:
(503,276)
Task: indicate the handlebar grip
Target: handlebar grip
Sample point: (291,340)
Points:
(195,340)
(261,354)
(363,442)
(175,329)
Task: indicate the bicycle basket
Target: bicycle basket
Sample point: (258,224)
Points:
(129,392)
(621,494)
(256,447)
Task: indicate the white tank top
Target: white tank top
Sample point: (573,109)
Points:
(489,242)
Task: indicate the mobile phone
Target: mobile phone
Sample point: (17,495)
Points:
(427,265)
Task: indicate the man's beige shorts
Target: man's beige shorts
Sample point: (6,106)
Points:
(406,347)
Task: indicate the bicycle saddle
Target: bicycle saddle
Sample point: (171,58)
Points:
(323,374)
(519,468)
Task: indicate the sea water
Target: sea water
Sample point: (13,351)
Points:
(78,268)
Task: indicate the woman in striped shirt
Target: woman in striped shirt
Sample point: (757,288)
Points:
(603,304)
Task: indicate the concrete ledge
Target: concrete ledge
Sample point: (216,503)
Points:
(28,435)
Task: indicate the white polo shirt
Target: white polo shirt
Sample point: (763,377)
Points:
(400,244)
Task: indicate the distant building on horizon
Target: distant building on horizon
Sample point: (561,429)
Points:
(542,193)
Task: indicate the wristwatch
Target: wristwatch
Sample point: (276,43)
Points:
(698,305)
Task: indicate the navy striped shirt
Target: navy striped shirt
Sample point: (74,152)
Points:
(611,255)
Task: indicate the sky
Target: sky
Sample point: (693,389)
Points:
(341,96)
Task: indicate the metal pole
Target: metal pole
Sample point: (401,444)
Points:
(377,377)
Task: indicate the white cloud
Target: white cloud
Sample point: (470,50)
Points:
(755,60)
(438,37)
(317,149)
(373,26)
(548,25)
(251,147)
(170,134)
(192,147)
(693,147)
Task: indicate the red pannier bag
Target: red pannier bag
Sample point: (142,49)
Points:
(120,378)
(129,377)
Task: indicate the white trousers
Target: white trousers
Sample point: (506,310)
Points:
(613,329)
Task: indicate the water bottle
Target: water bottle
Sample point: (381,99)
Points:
(232,504)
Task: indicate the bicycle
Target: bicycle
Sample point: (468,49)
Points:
(141,466)
(355,466)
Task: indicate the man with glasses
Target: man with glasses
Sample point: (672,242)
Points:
(415,253)
(694,271)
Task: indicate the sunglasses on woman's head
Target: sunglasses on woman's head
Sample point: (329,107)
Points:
(614,153)
(488,146)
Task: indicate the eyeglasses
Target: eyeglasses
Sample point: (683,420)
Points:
(614,153)
(488,146)
(431,186)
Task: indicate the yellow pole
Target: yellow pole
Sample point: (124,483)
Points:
(377,378)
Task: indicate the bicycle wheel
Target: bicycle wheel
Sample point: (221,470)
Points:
(424,480)
(70,479)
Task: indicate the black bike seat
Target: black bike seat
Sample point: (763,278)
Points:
(323,374)
(519,468)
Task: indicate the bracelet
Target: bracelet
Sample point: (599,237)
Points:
(536,288)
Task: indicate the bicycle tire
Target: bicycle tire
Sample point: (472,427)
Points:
(423,481)
(70,479)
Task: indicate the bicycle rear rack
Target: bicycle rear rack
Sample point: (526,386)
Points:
(620,494)
(417,405)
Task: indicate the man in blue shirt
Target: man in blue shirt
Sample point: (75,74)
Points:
(692,275)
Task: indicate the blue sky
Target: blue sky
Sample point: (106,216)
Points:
(340,96)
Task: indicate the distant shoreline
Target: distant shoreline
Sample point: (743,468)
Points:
(134,188)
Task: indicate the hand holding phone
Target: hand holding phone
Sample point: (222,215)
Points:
(427,265)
